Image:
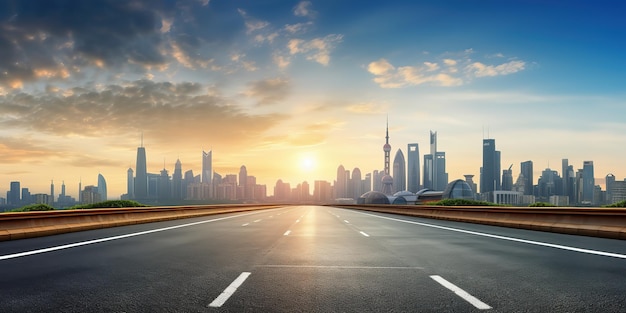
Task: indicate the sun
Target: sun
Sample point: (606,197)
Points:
(307,163)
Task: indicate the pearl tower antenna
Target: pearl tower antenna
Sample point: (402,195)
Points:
(387,180)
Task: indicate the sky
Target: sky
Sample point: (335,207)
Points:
(293,89)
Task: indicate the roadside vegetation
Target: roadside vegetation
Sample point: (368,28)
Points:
(108,204)
(33,207)
(462,202)
(621,204)
(542,204)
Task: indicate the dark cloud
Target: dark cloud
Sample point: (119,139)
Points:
(55,38)
(169,113)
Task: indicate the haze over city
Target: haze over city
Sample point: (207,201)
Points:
(293,89)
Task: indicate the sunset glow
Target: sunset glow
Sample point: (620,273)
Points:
(263,85)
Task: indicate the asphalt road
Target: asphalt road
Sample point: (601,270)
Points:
(312,259)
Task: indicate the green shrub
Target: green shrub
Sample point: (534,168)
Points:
(542,204)
(621,204)
(108,204)
(462,202)
(33,207)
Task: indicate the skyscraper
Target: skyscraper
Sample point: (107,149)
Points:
(14,194)
(243,181)
(490,174)
(433,153)
(507,179)
(428,172)
(52,193)
(177,181)
(565,174)
(413,168)
(588,183)
(435,176)
(130,183)
(341,184)
(399,172)
(207,167)
(102,187)
(387,180)
(356,184)
(440,171)
(526,169)
(141,174)
(609,183)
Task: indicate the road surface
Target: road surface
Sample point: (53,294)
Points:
(312,259)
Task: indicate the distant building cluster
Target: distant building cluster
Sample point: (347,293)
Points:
(402,182)
(18,196)
(207,186)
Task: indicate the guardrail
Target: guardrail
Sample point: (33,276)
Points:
(34,224)
(596,222)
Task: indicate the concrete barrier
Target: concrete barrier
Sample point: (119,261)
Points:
(596,222)
(21,225)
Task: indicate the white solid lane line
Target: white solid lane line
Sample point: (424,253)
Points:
(229,291)
(461,293)
(364,234)
(84,243)
(287,233)
(531,242)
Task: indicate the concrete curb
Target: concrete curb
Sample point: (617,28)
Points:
(22,225)
(594,222)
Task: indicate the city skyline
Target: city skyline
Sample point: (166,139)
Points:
(177,167)
(295,89)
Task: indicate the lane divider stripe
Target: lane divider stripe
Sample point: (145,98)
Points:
(84,243)
(461,293)
(531,242)
(229,291)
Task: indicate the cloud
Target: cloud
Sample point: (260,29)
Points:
(304,9)
(252,24)
(269,91)
(297,28)
(24,149)
(482,70)
(183,113)
(367,108)
(61,40)
(317,49)
(281,61)
(386,75)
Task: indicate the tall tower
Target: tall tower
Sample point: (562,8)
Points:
(130,183)
(177,181)
(433,153)
(387,180)
(243,182)
(526,169)
(102,187)
(490,173)
(399,172)
(413,170)
(207,167)
(588,183)
(141,173)
(341,184)
(52,193)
